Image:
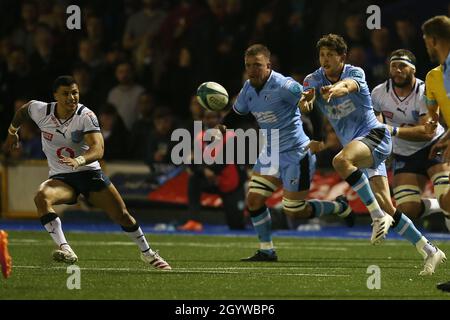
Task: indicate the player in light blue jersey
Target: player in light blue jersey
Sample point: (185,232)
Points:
(287,159)
(436,34)
(344,97)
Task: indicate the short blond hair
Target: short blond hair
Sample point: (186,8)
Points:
(438,27)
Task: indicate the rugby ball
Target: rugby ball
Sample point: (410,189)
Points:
(212,96)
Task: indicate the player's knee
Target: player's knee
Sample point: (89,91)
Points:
(340,161)
(255,201)
(296,208)
(42,197)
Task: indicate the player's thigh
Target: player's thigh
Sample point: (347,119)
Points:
(261,187)
(108,200)
(380,188)
(56,192)
(295,195)
(439,168)
(413,179)
(357,153)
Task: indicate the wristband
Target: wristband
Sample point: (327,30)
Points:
(12,130)
(80,160)
(394,131)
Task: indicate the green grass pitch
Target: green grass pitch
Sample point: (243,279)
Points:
(208,267)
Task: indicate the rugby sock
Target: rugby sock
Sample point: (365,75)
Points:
(323,208)
(430,206)
(263,225)
(136,234)
(52,224)
(405,227)
(359,182)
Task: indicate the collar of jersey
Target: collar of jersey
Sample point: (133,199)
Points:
(340,76)
(446,62)
(265,84)
(69,118)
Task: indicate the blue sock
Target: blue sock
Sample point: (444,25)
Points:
(263,225)
(359,182)
(323,208)
(405,227)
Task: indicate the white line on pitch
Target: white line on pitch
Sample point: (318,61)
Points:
(184,270)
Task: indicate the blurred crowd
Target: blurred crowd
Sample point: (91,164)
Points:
(139,62)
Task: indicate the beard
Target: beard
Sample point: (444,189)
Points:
(403,83)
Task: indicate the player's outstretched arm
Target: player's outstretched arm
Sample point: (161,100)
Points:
(339,89)
(96,149)
(425,131)
(12,140)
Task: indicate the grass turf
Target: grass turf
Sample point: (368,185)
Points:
(208,267)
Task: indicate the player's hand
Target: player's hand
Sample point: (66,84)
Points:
(71,162)
(316,146)
(432,124)
(307,100)
(438,148)
(326,92)
(11,143)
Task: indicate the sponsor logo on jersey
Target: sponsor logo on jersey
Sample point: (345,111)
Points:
(293,87)
(294,181)
(93,118)
(77,136)
(65,152)
(265,117)
(47,135)
(54,120)
(61,133)
(341,110)
(356,73)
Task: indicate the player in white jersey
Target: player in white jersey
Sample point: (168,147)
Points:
(400,103)
(73,144)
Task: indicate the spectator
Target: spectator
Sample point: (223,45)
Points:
(377,55)
(141,132)
(115,134)
(226,180)
(146,22)
(160,144)
(23,35)
(90,95)
(124,96)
